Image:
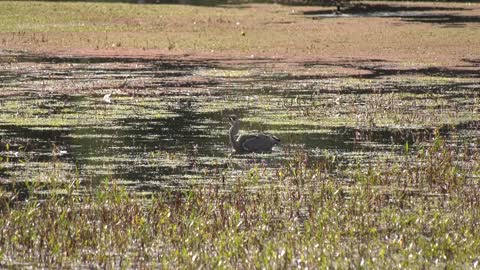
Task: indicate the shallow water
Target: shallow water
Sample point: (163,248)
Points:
(166,125)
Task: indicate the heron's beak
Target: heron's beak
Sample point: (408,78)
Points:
(232,119)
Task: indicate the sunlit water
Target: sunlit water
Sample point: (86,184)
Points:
(166,124)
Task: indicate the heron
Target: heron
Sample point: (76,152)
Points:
(248,143)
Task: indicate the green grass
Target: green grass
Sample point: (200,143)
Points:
(421,214)
(103,25)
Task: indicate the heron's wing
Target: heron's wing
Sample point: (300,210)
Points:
(256,142)
(245,138)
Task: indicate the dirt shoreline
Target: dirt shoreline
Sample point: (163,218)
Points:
(401,34)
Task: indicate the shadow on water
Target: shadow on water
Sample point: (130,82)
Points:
(367,9)
(83,73)
(377,69)
(374,69)
(410,13)
(474,62)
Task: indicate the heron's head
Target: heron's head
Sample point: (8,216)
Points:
(233,119)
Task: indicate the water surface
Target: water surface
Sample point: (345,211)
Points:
(166,124)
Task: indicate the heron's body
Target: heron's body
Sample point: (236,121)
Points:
(247,143)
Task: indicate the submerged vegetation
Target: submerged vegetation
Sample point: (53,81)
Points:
(405,214)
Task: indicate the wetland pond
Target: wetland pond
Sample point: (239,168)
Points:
(166,125)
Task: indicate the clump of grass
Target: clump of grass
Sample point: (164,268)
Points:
(401,215)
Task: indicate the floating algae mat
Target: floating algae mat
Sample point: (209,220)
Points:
(165,124)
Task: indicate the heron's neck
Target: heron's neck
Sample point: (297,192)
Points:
(232,134)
